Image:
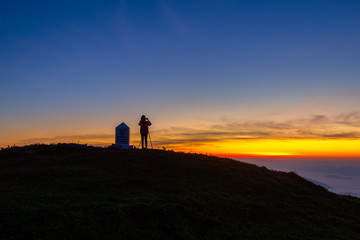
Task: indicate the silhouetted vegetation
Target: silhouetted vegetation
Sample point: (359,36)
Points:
(45,150)
(66,192)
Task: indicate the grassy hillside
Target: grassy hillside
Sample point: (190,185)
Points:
(60,192)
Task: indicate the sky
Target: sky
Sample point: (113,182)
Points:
(231,77)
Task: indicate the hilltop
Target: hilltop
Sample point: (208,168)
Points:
(62,192)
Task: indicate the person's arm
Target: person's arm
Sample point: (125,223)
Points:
(149,123)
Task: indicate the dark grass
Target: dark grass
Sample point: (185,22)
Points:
(62,192)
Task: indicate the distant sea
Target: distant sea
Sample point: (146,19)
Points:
(339,175)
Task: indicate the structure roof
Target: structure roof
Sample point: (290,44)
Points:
(122,125)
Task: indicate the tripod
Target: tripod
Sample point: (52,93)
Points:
(150,141)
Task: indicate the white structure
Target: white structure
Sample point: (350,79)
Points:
(122,136)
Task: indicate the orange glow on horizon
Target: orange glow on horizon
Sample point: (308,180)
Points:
(272,154)
(276,148)
(281,148)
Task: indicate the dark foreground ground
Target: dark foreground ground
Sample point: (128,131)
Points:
(60,192)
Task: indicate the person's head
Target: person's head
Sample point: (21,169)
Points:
(143,117)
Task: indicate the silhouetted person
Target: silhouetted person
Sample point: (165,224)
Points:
(144,130)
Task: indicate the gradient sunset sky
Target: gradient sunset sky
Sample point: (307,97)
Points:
(216,76)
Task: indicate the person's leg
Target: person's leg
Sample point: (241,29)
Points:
(142,140)
(146,140)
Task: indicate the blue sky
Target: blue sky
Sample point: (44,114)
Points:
(80,67)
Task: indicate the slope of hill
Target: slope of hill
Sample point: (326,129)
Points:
(61,192)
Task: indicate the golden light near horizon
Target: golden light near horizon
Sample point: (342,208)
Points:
(271,153)
(243,147)
(285,148)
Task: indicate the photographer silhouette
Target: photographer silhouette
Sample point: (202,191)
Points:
(144,130)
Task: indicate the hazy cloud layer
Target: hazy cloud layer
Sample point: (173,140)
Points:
(318,183)
(347,171)
(342,126)
(336,174)
(338,177)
